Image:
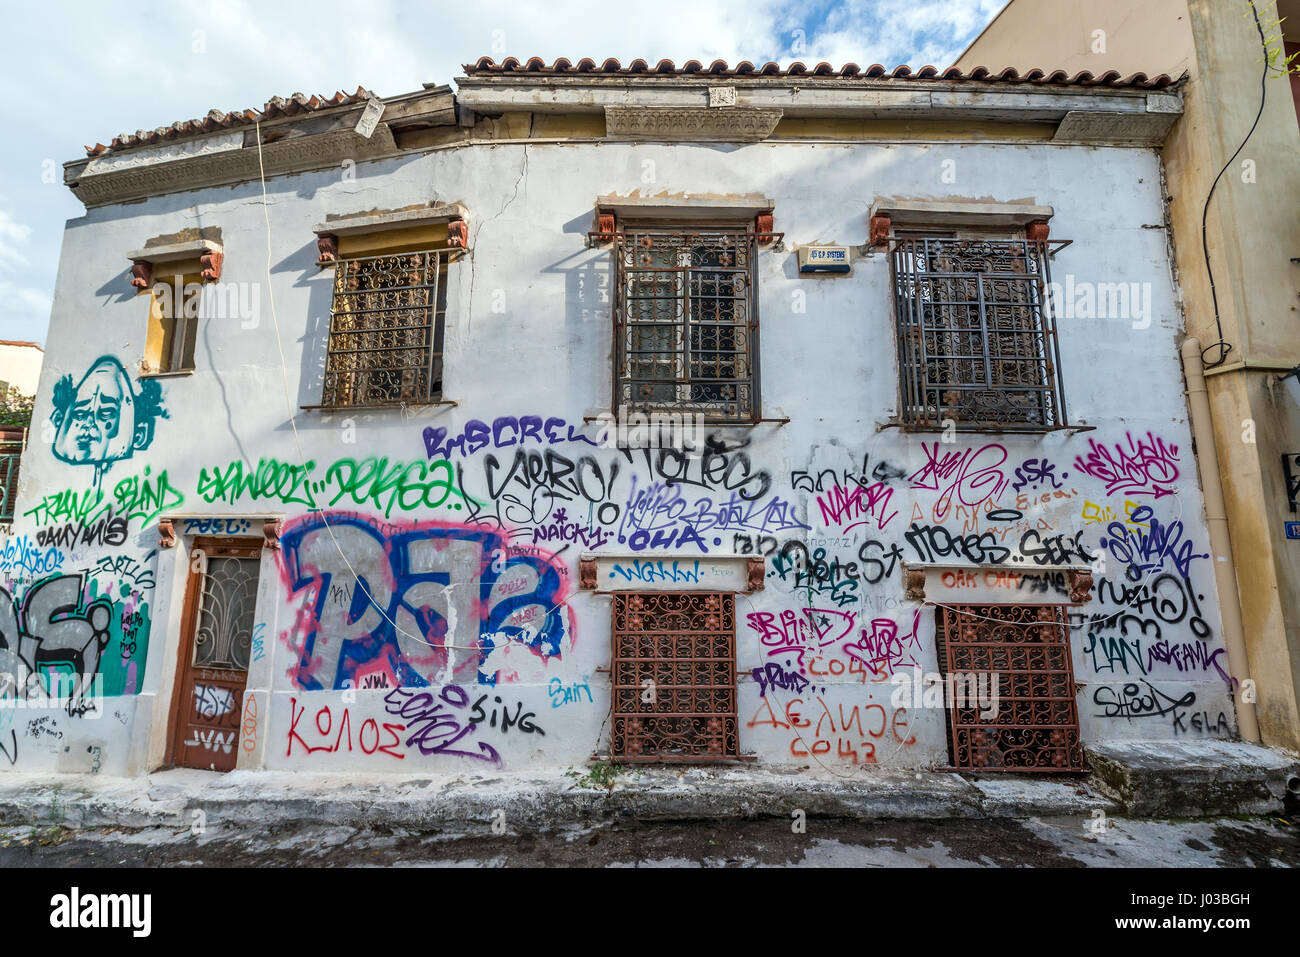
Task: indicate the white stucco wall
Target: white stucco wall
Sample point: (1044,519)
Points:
(529,334)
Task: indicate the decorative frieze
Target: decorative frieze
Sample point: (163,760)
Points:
(691,123)
(99,184)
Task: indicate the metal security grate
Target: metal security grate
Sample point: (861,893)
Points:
(227,602)
(976,339)
(686,322)
(674,683)
(1025,648)
(386,327)
(11,449)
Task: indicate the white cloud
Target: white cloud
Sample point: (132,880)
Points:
(13,239)
(26,311)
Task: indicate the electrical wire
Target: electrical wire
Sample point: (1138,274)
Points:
(1222,345)
(302,459)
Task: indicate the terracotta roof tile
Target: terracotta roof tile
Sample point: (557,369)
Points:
(486,66)
(275,107)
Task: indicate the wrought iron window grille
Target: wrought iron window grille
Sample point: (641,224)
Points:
(673,677)
(223,635)
(11,450)
(977,340)
(686,322)
(1026,650)
(386,330)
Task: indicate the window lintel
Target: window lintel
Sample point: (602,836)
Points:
(376,220)
(187,246)
(686,209)
(954,213)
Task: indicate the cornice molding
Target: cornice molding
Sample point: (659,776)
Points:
(296,154)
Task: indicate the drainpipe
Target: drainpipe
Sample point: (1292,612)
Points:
(1216,518)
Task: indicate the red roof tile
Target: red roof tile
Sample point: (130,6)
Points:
(216,120)
(486,66)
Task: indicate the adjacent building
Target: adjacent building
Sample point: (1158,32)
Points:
(814,417)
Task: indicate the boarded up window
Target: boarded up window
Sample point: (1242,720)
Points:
(1010,688)
(174,308)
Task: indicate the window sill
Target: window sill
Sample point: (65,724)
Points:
(423,404)
(990,427)
(613,416)
(167,375)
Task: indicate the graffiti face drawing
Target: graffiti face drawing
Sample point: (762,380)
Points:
(103,419)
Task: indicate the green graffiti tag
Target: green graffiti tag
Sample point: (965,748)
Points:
(272,479)
(374,481)
(137,497)
(69,505)
(146,498)
(122,663)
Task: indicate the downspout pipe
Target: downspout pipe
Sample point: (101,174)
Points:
(1216,519)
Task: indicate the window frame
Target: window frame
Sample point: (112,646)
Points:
(915,410)
(184,326)
(439,252)
(1052,710)
(744,231)
(705,620)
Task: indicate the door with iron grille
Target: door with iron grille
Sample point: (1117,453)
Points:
(216,639)
(674,671)
(1014,704)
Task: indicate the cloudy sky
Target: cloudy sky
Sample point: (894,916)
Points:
(77,73)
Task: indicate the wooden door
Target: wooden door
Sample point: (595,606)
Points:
(216,638)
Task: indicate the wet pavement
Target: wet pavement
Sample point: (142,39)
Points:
(1073,841)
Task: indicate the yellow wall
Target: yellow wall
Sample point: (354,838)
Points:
(1253,231)
(1150,36)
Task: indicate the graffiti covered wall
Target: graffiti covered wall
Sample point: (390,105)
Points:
(423,608)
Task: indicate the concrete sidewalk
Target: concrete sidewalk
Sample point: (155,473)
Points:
(1219,778)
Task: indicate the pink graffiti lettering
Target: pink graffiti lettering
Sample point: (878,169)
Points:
(972,477)
(849,509)
(881,649)
(1146,467)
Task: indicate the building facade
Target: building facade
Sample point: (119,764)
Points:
(810,417)
(20,366)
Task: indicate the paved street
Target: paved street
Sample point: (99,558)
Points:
(1035,842)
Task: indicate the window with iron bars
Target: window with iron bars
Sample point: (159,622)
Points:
(977,341)
(674,677)
(686,322)
(386,329)
(1028,720)
(12,443)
